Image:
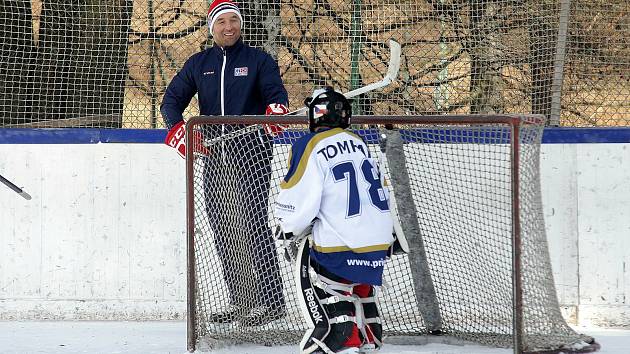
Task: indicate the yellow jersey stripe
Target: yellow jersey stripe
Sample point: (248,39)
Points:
(297,176)
(366,249)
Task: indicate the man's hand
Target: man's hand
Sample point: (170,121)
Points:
(275,109)
(176,139)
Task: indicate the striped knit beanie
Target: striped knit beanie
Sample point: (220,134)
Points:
(220,7)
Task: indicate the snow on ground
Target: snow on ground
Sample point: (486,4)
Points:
(170,338)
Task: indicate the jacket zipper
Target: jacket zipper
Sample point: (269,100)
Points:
(223,102)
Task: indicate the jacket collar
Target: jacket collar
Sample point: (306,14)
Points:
(231,49)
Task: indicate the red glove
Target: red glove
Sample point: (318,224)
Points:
(275,109)
(176,139)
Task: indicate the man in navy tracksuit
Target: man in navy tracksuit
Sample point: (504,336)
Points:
(232,78)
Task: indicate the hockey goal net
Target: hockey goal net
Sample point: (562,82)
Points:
(467,193)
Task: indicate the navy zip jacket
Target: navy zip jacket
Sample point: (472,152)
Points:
(236,80)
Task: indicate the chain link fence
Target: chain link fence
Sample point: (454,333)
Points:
(106,63)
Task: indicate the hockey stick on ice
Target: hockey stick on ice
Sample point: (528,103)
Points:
(15,188)
(405,210)
(401,246)
(390,76)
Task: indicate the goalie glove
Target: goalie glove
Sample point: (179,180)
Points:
(275,109)
(176,139)
(398,247)
(290,242)
(400,244)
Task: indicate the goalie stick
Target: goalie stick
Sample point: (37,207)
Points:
(15,188)
(400,246)
(390,76)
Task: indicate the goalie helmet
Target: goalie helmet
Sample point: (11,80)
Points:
(328,108)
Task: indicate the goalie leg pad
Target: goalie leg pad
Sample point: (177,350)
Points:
(340,306)
(312,310)
(372,333)
(326,307)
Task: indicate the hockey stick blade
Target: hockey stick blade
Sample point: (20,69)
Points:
(392,72)
(15,188)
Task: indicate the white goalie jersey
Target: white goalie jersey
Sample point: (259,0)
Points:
(334,183)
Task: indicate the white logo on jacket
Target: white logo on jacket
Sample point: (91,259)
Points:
(240,71)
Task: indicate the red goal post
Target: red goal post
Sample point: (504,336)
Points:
(467,191)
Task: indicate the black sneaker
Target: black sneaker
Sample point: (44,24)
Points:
(261,315)
(230,314)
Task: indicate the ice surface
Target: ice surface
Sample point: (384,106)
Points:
(170,338)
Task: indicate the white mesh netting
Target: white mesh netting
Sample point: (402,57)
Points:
(453,187)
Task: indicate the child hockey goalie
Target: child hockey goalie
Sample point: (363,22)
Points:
(334,184)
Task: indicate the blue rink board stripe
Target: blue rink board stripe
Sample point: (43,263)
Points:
(80,136)
(149,136)
(586,135)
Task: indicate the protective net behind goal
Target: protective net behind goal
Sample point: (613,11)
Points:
(467,193)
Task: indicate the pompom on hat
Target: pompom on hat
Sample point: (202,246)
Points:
(220,7)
